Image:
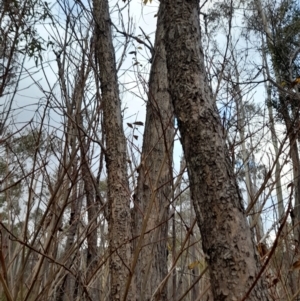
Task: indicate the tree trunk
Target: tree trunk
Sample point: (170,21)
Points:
(226,236)
(154,180)
(115,157)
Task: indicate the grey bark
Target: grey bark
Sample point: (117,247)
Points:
(226,236)
(118,194)
(154,180)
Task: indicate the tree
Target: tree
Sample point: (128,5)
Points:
(282,45)
(218,204)
(19,39)
(96,231)
(118,194)
(151,198)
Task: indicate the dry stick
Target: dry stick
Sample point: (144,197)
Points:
(194,283)
(269,173)
(295,295)
(44,255)
(146,232)
(14,238)
(51,201)
(29,205)
(144,226)
(6,289)
(274,245)
(163,283)
(2,260)
(3,278)
(115,250)
(203,293)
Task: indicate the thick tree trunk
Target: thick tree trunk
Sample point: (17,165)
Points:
(226,236)
(115,157)
(154,181)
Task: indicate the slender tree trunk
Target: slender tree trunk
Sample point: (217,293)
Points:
(155,176)
(278,184)
(226,236)
(115,157)
(255,218)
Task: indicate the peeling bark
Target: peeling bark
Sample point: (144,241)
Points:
(226,236)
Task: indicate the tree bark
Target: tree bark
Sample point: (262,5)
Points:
(226,236)
(155,176)
(115,157)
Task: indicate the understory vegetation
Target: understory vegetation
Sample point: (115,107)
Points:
(149,150)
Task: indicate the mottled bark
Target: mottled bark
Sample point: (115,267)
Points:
(115,157)
(226,236)
(154,180)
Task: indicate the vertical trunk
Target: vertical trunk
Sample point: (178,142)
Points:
(226,236)
(273,136)
(154,180)
(115,157)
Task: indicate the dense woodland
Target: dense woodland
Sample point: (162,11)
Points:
(149,150)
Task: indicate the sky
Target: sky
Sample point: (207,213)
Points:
(28,102)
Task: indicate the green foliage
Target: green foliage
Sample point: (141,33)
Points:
(286,38)
(11,190)
(27,143)
(17,151)
(19,34)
